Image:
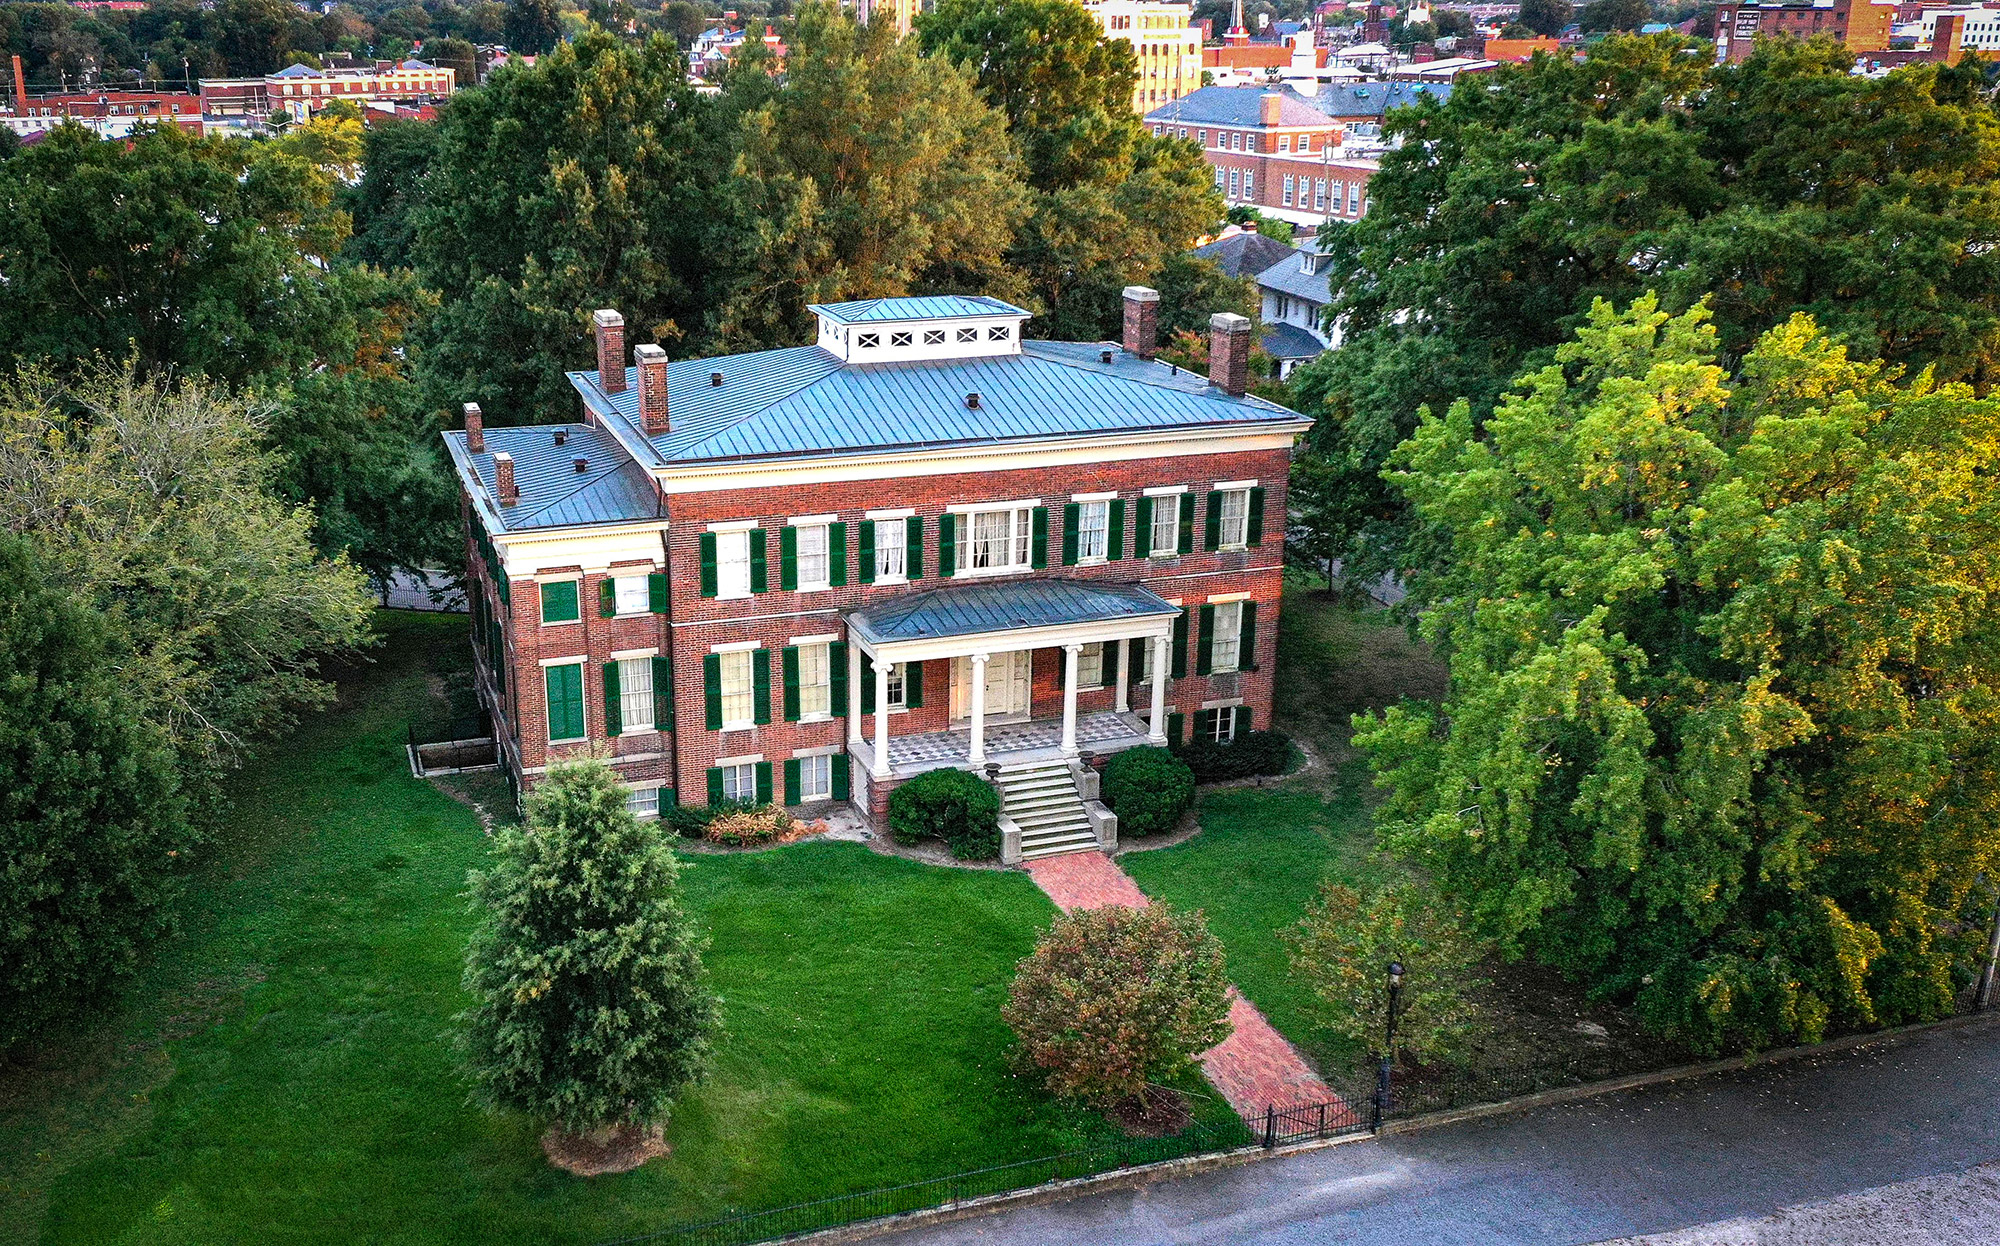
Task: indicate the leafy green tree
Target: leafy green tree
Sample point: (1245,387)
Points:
(153,501)
(533,26)
(590,1008)
(1615,14)
(596,178)
(1720,734)
(1192,290)
(384,204)
(1546,17)
(93,831)
(868,171)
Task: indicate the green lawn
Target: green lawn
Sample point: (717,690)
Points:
(283,1072)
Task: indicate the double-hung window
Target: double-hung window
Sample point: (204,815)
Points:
(1221,724)
(815,779)
(899,686)
(1090,665)
(812,558)
(635,694)
(1226,646)
(1288,190)
(1235,521)
(732,564)
(1166,525)
(1235,182)
(1093,531)
(1141,651)
(739,781)
(630,595)
(815,681)
(643,802)
(891,550)
(999,539)
(739,709)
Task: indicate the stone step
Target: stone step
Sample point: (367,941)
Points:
(1050,848)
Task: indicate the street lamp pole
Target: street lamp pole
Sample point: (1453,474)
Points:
(1383,1071)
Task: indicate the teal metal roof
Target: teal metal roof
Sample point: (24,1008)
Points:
(927,307)
(1001,606)
(804,401)
(610,489)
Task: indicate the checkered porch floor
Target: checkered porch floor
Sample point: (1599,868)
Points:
(949,746)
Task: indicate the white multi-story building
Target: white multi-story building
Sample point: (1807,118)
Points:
(1980,30)
(1165,42)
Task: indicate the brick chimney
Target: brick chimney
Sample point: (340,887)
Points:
(1142,320)
(610,350)
(475,429)
(1270,108)
(652,361)
(503,473)
(1229,352)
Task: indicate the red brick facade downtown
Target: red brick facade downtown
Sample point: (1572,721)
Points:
(678,754)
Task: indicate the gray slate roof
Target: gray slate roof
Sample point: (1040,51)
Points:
(923,307)
(803,401)
(1288,341)
(1236,106)
(1244,255)
(1289,277)
(968,609)
(1372,99)
(611,489)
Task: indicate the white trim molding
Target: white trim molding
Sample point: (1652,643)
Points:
(747,759)
(569,661)
(811,521)
(1216,599)
(903,512)
(825,639)
(1094,497)
(620,655)
(736,646)
(735,525)
(1165,491)
(961,508)
(1223,486)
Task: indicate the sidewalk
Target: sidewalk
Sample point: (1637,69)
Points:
(1254,1068)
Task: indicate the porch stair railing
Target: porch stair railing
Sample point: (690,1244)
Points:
(1042,799)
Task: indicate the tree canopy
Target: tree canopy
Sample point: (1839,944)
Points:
(1720,736)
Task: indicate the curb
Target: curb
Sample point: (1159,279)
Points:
(1166,1170)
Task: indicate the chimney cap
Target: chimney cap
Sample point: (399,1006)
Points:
(649,352)
(1229,322)
(606,317)
(1142,294)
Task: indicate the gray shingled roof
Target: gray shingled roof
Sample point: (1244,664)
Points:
(968,609)
(805,401)
(1289,277)
(1372,99)
(611,488)
(1288,341)
(1236,106)
(1244,255)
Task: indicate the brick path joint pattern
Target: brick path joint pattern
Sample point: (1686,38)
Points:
(1254,1068)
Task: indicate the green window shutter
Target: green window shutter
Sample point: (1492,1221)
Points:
(708,579)
(763,782)
(864,547)
(791,664)
(867,686)
(656,593)
(1174,724)
(1246,644)
(607,598)
(1204,654)
(1245,719)
(711,688)
(1038,543)
(947,545)
(836,555)
(1255,535)
(1211,537)
(842,784)
(1114,536)
(1071,513)
(913,685)
(1062,669)
(1142,529)
(760,685)
(663,694)
(836,658)
(669,798)
(1204,724)
(760,579)
(614,712)
(564,686)
(792,781)
(715,785)
(913,546)
(1114,653)
(1186,545)
(1180,643)
(559,603)
(788,558)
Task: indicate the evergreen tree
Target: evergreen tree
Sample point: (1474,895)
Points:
(93,835)
(533,26)
(590,1009)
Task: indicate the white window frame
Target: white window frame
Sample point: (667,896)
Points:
(628,589)
(732,564)
(898,686)
(739,781)
(642,802)
(1228,629)
(899,545)
(822,533)
(1019,541)
(1166,506)
(822,653)
(630,672)
(815,777)
(1087,679)
(736,661)
(1220,715)
(1288,190)
(1093,522)
(1240,500)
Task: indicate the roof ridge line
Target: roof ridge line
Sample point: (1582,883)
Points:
(1141,380)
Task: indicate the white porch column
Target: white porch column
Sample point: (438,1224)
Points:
(1123,701)
(978,753)
(1157,735)
(1071,653)
(882,669)
(853,693)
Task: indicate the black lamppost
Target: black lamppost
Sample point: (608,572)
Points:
(1382,1073)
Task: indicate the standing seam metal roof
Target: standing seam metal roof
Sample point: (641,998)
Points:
(969,609)
(925,307)
(612,489)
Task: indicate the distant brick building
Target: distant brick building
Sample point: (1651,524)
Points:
(1272,150)
(303,91)
(805,575)
(111,114)
(1860,25)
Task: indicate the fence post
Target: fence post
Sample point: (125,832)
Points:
(1270,1126)
(1322,1118)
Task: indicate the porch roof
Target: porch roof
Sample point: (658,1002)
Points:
(1002,606)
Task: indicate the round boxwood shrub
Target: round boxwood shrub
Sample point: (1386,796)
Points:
(1148,788)
(956,806)
(1249,754)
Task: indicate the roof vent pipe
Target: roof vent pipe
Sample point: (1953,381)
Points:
(562,435)
(1104,356)
(972,401)
(714,379)
(583,465)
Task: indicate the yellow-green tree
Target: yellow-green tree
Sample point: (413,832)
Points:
(1721,730)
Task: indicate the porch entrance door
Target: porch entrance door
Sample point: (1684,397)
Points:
(1006,686)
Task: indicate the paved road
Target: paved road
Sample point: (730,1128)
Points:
(1645,1161)
(1959,1209)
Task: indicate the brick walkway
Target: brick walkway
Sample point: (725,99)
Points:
(1254,1068)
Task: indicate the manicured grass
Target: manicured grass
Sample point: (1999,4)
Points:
(284,1072)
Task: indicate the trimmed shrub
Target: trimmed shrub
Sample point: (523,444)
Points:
(1149,789)
(766,824)
(1252,753)
(956,806)
(1114,1001)
(691,821)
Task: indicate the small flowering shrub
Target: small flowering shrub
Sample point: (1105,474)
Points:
(761,824)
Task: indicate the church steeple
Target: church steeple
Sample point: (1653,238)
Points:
(1238,32)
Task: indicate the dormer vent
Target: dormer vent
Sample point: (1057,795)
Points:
(582,465)
(714,379)
(1104,356)
(562,435)
(972,401)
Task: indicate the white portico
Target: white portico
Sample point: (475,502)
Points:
(987,632)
